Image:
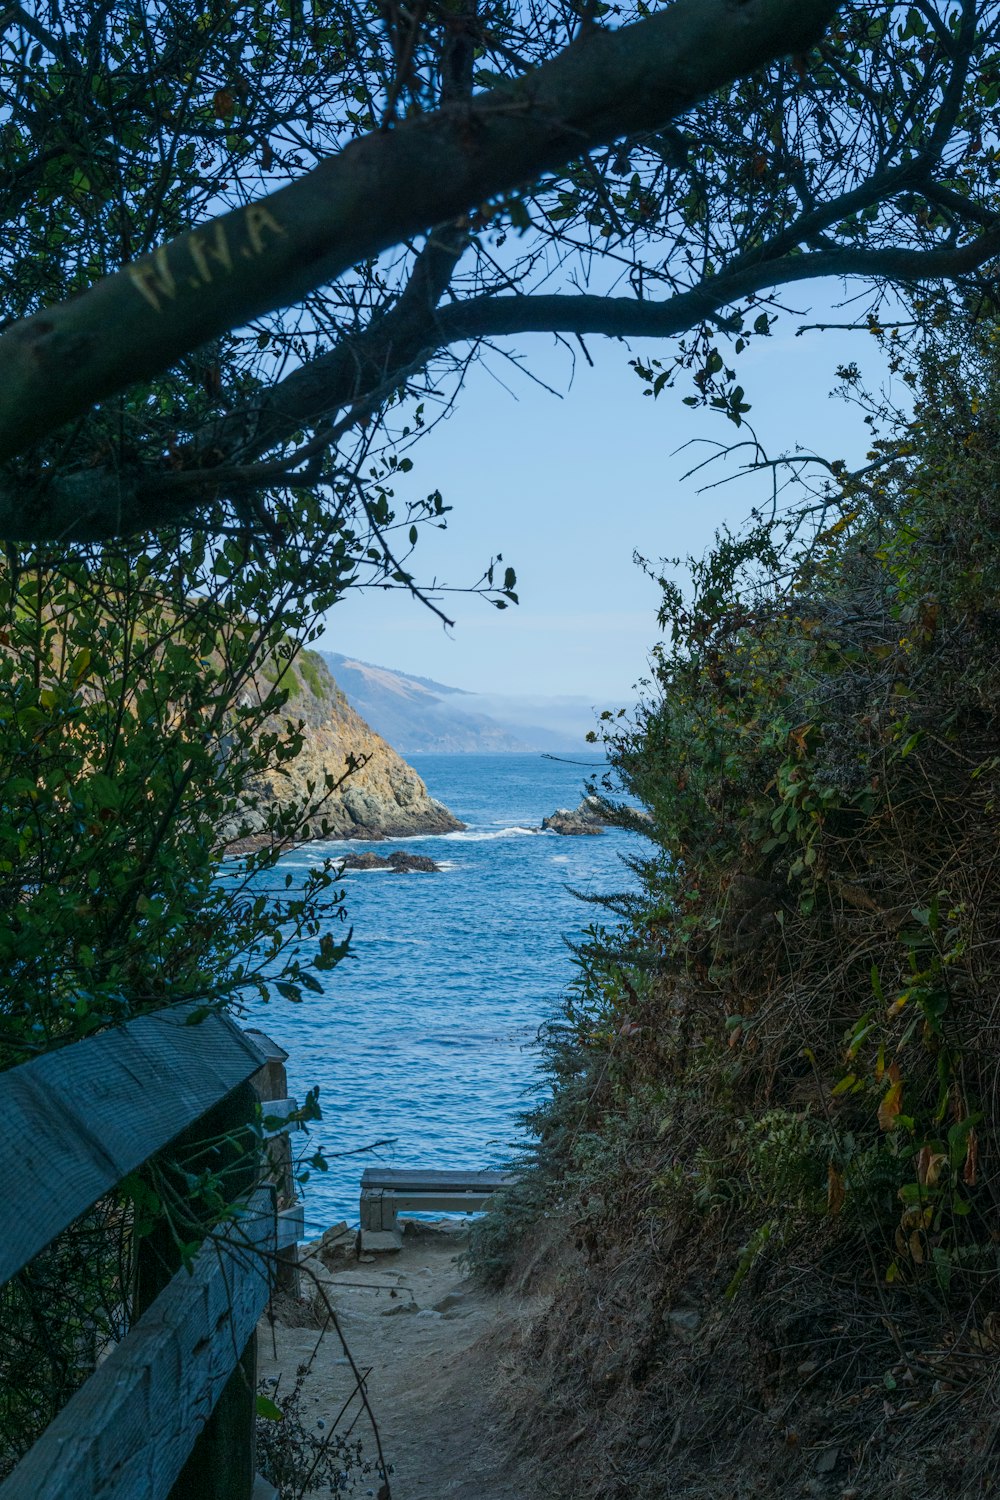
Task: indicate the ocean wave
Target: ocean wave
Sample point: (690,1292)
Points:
(480,835)
(320,850)
(332,848)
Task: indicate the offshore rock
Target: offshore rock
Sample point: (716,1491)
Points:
(593,815)
(401,862)
(405,863)
(376,794)
(366,861)
(584,819)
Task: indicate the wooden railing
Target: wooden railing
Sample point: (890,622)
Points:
(170,1411)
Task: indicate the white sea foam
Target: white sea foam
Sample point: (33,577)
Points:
(480,835)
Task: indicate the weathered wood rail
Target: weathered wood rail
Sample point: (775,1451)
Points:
(170,1412)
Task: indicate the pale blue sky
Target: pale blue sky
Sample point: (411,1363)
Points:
(567,488)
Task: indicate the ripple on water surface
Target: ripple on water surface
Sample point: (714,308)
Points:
(427,1034)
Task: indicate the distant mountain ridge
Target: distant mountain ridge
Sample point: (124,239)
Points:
(418,714)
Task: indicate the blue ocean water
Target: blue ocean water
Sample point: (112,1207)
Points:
(427,1035)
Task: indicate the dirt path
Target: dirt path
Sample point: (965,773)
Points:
(433,1343)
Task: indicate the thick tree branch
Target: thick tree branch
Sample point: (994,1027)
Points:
(377,193)
(90,505)
(391,346)
(414,329)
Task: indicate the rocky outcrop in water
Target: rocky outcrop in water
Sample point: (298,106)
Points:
(401,862)
(585,819)
(378,796)
(593,816)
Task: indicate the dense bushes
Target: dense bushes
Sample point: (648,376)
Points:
(137,728)
(774,1101)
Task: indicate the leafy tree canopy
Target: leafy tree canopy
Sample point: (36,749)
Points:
(379,192)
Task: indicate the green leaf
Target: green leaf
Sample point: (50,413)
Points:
(266,1408)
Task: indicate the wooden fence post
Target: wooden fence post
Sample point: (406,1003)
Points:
(271,1083)
(222,1464)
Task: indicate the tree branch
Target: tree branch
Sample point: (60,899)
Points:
(96,503)
(627,317)
(378,192)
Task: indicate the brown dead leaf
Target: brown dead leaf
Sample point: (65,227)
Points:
(929,612)
(223,104)
(929,1166)
(797,738)
(892,1104)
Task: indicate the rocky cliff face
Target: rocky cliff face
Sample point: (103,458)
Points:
(383,797)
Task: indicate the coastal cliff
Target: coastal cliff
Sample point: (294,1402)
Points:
(382,797)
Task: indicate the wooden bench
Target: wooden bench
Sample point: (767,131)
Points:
(385,1192)
(171,1410)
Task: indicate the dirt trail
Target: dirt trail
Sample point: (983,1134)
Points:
(433,1342)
